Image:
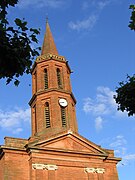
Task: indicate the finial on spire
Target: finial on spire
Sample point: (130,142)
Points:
(47,18)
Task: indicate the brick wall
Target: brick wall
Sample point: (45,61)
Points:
(16,165)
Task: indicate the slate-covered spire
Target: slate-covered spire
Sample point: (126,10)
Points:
(48,44)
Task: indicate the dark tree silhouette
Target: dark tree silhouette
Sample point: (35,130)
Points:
(125,94)
(16,52)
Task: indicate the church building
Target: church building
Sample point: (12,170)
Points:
(55,150)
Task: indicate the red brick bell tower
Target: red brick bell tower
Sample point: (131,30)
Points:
(55,150)
(52,103)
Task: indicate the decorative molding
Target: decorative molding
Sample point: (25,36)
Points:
(38,166)
(90,170)
(44,166)
(51,167)
(95,170)
(100,170)
(50,56)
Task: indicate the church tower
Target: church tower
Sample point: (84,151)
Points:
(55,150)
(52,103)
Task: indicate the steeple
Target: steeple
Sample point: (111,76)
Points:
(48,43)
(52,103)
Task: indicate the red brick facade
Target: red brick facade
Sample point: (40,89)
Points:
(55,150)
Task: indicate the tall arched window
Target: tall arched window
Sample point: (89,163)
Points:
(45,79)
(63,116)
(35,119)
(59,78)
(47,115)
(35,82)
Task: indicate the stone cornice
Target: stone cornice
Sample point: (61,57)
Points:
(3,149)
(50,57)
(12,148)
(71,152)
(113,159)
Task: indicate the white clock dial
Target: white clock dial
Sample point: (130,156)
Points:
(63,102)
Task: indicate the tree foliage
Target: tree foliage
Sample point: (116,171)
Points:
(125,97)
(16,53)
(125,94)
(132,18)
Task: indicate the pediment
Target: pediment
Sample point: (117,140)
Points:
(71,142)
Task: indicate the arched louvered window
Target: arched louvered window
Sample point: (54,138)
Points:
(35,119)
(45,79)
(35,82)
(47,115)
(59,78)
(63,116)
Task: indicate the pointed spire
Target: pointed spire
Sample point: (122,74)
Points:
(48,44)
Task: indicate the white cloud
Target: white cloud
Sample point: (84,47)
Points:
(17,130)
(12,120)
(98,123)
(41,3)
(95,108)
(87,4)
(99,5)
(105,95)
(84,24)
(119,144)
(119,141)
(102,4)
(90,22)
(129,157)
(102,104)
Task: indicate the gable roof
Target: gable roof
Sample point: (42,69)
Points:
(69,142)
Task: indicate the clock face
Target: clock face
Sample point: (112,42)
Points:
(63,102)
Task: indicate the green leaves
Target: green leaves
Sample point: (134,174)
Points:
(33,38)
(21,24)
(33,35)
(6,3)
(16,82)
(125,97)
(15,44)
(132,18)
(35,31)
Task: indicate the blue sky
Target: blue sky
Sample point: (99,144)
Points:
(94,37)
